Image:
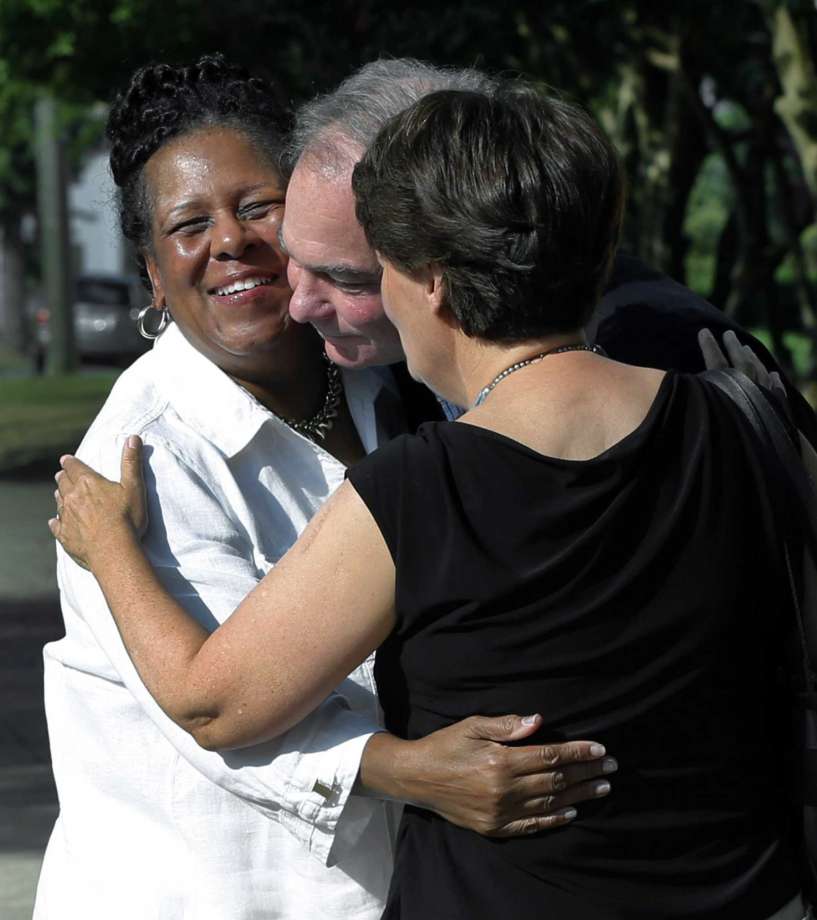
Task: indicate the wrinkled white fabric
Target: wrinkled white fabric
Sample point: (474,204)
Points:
(151,825)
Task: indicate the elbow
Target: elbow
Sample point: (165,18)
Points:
(219,733)
(229,731)
(207,732)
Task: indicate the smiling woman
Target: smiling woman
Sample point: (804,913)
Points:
(213,257)
(248,433)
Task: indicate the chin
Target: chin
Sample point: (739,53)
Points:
(352,353)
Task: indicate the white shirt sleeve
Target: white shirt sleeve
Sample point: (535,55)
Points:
(205,558)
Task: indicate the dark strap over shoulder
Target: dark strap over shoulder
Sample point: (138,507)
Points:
(796,524)
(785,465)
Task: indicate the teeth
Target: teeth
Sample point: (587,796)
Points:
(247,284)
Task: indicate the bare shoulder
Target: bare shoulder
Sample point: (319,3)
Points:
(577,414)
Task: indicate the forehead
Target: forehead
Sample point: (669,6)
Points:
(206,163)
(320,227)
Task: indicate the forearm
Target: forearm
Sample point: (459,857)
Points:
(161,638)
(389,769)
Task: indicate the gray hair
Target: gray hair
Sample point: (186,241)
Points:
(337,128)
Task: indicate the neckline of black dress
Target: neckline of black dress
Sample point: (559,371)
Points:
(662,394)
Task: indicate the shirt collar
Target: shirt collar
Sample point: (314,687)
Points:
(224,412)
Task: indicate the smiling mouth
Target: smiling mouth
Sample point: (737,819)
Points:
(245,284)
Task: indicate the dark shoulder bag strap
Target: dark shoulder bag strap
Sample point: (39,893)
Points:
(786,464)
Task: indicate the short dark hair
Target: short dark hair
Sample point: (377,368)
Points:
(515,194)
(165,101)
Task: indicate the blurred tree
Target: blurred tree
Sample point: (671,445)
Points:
(674,84)
(16,199)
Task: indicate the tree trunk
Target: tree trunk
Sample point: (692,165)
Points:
(688,149)
(14,327)
(725,258)
(797,107)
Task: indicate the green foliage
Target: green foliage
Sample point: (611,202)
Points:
(710,202)
(44,416)
(687,89)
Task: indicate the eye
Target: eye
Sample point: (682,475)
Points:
(190,225)
(356,288)
(257,210)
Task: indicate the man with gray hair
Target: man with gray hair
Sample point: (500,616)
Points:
(333,272)
(644,317)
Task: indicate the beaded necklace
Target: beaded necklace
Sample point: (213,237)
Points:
(560,349)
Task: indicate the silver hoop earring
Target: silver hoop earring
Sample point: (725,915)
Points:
(150,334)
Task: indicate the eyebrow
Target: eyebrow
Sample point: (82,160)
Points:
(339,272)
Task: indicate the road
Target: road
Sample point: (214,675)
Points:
(29,617)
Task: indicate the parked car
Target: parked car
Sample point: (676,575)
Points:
(105,311)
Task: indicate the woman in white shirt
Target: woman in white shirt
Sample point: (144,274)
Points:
(247,431)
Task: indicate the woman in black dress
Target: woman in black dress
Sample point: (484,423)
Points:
(582,543)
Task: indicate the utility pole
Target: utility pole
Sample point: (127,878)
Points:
(52,208)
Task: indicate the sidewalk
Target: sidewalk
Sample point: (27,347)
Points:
(29,617)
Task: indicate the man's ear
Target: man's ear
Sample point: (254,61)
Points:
(158,300)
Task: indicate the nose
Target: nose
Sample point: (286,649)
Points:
(308,303)
(231,237)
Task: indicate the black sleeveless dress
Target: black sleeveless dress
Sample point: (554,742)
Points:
(631,599)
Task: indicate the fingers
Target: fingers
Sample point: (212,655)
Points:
(503,728)
(564,778)
(553,755)
(524,827)
(714,358)
(744,359)
(131,465)
(734,351)
(542,758)
(572,795)
(553,810)
(74,468)
(776,384)
(55,525)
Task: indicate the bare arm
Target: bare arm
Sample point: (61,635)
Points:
(290,642)
(465,772)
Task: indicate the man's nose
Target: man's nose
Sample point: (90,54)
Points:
(308,303)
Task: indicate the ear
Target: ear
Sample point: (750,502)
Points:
(435,288)
(159,299)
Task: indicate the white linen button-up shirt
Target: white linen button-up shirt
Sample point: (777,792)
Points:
(151,826)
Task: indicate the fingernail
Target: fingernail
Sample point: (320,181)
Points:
(601,788)
(132,442)
(597,750)
(569,813)
(609,765)
(530,720)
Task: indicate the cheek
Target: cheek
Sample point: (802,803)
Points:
(360,311)
(183,262)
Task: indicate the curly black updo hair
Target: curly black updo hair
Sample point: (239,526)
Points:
(165,101)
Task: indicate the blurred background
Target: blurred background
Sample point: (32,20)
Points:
(713,106)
